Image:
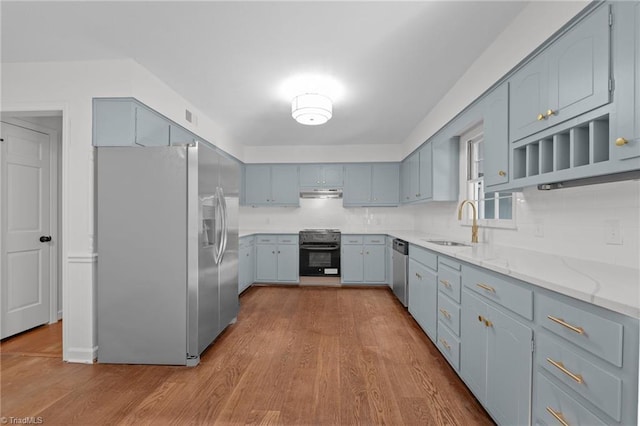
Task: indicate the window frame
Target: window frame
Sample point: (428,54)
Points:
(467,186)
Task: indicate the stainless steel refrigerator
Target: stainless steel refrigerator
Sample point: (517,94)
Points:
(167,243)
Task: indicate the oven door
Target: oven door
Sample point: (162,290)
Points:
(319,260)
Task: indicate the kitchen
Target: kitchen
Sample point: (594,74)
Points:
(571,221)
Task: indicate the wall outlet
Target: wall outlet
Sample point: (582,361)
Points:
(538,229)
(612,232)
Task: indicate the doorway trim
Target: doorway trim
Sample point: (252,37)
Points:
(13,113)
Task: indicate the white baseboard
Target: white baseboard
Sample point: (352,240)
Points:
(82,355)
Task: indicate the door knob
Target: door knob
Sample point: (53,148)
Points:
(550,112)
(621,142)
(502,173)
(541,117)
(45,238)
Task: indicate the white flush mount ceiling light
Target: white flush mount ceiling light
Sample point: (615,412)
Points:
(311,109)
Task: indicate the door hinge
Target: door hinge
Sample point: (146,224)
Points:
(610,19)
(533,345)
(611,85)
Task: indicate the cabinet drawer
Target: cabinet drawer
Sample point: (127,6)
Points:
(449,345)
(352,239)
(554,404)
(449,313)
(374,239)
(442,260)
(424,256)
(266,239)
(598,335)
(601,388)
(287,239)
(449,283)
(492,286)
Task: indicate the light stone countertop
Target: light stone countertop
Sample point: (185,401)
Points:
(610,286)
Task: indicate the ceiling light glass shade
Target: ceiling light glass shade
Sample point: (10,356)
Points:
(311,109)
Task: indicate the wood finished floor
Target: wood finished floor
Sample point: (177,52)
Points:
(296,356)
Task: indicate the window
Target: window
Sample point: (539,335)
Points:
(495,209)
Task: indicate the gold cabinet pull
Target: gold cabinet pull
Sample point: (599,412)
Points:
(446,283)
(621,142)
(502,173)
(558,415)
(418,276)
(560,321)
(445,344)
(488,323)
(480,318)
(560,366)
(486,287)
(541,117)
(550,112)
(445,313)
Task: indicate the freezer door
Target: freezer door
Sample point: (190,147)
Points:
(141,240)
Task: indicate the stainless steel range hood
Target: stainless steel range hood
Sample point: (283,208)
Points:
(321,193)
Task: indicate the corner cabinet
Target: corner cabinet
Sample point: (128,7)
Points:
(565,80)
(271,185)
(369,185)
(363,259)
(277,258)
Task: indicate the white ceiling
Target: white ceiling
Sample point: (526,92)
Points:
(394,59)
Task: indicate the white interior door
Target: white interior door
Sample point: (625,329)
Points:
(25,262)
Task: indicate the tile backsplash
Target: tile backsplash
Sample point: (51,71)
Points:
(573,222)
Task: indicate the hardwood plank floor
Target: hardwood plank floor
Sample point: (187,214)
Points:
(296,356)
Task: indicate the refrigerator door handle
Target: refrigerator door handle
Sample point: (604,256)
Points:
(225,227)
(217,250)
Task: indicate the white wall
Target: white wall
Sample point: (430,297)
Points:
(537,22)
(572,222)
(69,87)
(318,213)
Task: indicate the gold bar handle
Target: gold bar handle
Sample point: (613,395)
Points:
(445,344)
(562,322)
(559,417)
(446,283)
(445,313)
(486,287)
(560,366)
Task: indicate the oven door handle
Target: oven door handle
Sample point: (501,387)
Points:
(319,248)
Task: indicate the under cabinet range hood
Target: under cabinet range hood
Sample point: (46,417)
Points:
(321,193)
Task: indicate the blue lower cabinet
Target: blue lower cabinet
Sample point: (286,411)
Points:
(496,360)
(363,259)
(423,296)
(246,263)
(277,259)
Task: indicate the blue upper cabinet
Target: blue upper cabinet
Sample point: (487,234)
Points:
(565,80)
(431,172)
(180,136)
(626,38)
(496,137)
(372,184)
(321,176)
(271,185)
(126,122)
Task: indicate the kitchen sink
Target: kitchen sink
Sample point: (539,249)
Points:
(447,243)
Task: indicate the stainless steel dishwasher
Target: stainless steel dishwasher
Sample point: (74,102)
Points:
(400,264)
